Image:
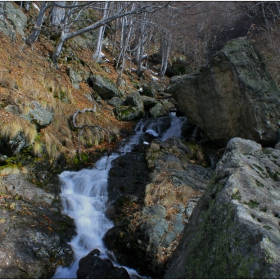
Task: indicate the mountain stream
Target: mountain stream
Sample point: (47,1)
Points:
(84,194)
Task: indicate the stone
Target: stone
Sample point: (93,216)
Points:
(232,96)
(134,99)
(115,101)
(76,76)
(37,114)
(233,231)
(148,102)
(158,111)
(105,88)
(148,90)
(93,267)
(17,21)
(128,113)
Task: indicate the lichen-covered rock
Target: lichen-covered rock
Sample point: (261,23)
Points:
(105,88)
(16,21)
(128,113)
(232,96)
(37,114)
(234,229)
(133,110)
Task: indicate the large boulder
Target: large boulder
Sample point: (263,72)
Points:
(104,87)
(233,95)
(234,229)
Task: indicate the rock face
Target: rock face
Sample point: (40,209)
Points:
(146,238)
(234,229)
(232,96)
(16,21)
(32,230)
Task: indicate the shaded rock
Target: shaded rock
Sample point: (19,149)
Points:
(149,90)
(148,102)
(104,87)
(233,95)
(134,99)
(234,228)
(93,267)
(158,111)
(115,101)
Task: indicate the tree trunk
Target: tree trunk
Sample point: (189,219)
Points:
(97,52)
(166,45)
(59,48)
(37,28)
(57,14)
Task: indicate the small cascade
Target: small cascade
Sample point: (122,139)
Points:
(84,195)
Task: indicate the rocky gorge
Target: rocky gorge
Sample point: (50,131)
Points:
(189,196)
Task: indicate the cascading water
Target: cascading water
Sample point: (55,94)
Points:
(84,195)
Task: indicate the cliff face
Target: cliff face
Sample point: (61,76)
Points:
(232,96)
(234,229)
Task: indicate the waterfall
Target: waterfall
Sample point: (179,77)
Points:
(84,195)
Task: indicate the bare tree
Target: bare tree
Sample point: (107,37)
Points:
(97,52)
(57,14)
(125,10)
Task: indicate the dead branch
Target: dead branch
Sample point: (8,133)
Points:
(82,127)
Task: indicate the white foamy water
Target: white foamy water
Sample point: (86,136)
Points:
(84,197)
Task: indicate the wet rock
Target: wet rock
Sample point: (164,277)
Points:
(234,228)
(232,96)
(93,267)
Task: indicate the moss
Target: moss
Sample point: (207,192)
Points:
(252,203)
(210,253)
(267,227)
(259,184)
